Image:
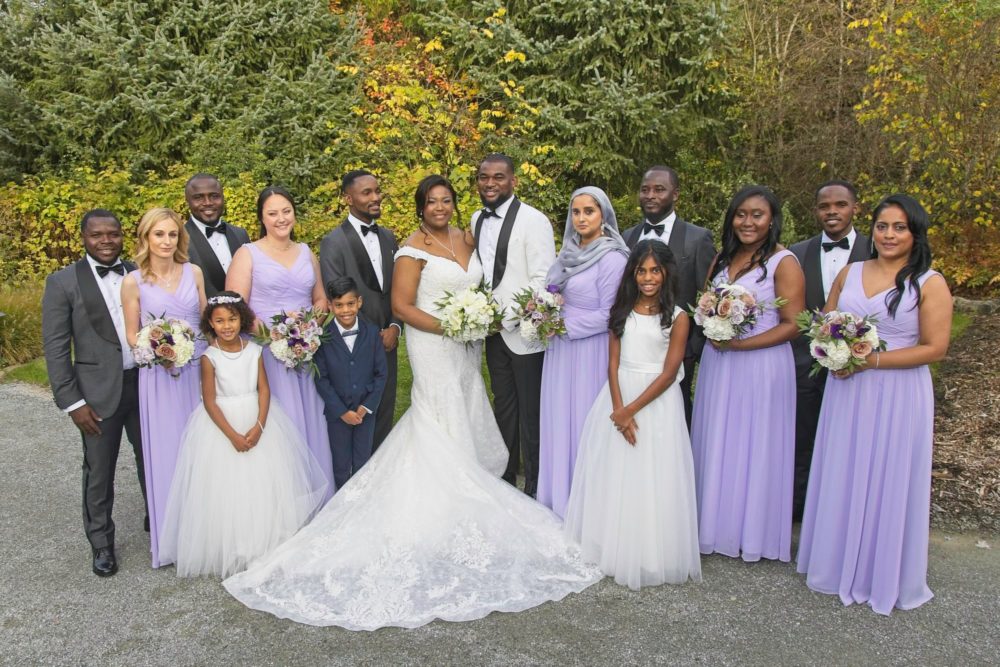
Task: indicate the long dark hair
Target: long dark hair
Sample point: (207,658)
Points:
(731,244)
(263,197)
(628,289)
(920,254)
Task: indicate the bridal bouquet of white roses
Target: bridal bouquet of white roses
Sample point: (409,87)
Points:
(294,336)
(838,340)
(728,311)
(540,314)
(470,314)
(164,341)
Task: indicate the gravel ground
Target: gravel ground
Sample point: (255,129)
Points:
(56,612)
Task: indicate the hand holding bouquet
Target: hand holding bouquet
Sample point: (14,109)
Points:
(839,341)
(294,337)
(729,311)
(164,341)
(540,314)
(469,315)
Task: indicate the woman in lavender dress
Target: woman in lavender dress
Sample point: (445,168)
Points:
(743,428)
(867,516)
(588,271)
(277,274)
(164,284)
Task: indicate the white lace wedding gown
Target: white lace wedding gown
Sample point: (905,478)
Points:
(426,529)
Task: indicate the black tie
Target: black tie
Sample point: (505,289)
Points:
(842,243)
(490,213)
(352,332)
(656,229)
(369,229)
(219,228)
(118,268)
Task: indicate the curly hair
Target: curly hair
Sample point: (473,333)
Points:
(232,302)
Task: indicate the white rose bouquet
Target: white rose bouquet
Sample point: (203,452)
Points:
(839,340)
(294,337)
(540,314)
(728,311)
(164,341)
(470,314)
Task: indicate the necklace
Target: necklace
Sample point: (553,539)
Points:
(275,248)
(168,283)
(451,241)
(651,308)
(231,355)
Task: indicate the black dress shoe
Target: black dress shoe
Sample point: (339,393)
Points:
(105,564)
(145,524)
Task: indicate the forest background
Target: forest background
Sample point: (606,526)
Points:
(114,104)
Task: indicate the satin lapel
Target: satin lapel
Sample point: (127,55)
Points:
(861,250)
(632,236)
(814,274)
(233,239)
(385,243)
(209,262)
(476,229)
(500,261)
(93,300)
(676,241)
(361,257)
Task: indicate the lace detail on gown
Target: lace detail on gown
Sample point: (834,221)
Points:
(426,529)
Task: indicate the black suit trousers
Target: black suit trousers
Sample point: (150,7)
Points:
(387,407)
(689,363)
(808,400)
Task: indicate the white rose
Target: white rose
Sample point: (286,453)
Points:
(719,329)
(529,332)
(838,354)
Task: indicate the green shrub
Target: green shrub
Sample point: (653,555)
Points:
(20,324)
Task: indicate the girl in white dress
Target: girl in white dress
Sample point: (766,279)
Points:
(632,505)
(245,480)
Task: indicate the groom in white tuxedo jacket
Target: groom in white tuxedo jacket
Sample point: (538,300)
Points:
(515,244)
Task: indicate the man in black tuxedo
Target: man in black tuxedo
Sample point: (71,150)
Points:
(92,373)
(692,247)
(363,250)
(822,257)
(213,241)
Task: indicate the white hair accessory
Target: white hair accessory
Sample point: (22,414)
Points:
(216,300)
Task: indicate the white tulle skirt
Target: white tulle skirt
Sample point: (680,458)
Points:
(632,509)
(227,507)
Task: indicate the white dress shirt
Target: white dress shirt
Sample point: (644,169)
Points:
(832,261)
(219,244)
(372,246)
(668,226)
(489,236)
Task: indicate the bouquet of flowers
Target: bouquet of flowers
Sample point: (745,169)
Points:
(294,337)
(540,314)
(728,311)
(838,340)
(164,341)
(470,314)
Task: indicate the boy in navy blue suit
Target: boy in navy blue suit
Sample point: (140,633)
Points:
(352,372)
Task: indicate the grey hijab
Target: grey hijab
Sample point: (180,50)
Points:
(572,258)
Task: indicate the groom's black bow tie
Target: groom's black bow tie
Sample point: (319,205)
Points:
(118,268)
(369,229)
(842,243)
(490,213)
(352,332)
(218,228)
(656,229)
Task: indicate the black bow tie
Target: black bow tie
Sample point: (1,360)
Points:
(656,229)
(352,332)
(369,229)
(219,228)
(118,268)
(842,243)
(490,213)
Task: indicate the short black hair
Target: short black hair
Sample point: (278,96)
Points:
(836,181)
(233,302)
(201,175)
(351,176)
(497,157)
(97,213)
(341,286)
(667,170)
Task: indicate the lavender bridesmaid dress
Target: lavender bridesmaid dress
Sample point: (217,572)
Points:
(743,437)
(575,370)
(867,517)
(166,401)
(275,288)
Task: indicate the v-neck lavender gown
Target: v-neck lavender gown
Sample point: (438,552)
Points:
(165,401)
(866,524)
(743,437)
(275,288)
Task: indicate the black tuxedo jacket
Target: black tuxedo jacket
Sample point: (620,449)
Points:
(349,379)
(693,249)
(202,255)
(342,253)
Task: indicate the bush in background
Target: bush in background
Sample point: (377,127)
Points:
(20,324)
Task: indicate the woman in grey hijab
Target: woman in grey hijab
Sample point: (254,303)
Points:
(587,273)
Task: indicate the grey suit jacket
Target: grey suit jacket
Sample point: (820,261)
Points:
(82,350)
(342,253)
(693,249)
(202,255)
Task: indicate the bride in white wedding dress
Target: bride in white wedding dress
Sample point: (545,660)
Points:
(426,529)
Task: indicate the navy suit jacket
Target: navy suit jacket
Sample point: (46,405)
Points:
(349,379)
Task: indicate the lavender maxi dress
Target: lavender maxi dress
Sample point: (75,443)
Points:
(867,517)
(166,401)
(275,288)
(743,437)
(576,367)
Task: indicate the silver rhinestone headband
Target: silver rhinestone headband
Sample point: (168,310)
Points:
(216,300)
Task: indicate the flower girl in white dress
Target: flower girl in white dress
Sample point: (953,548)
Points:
(632,504)
(245,480)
